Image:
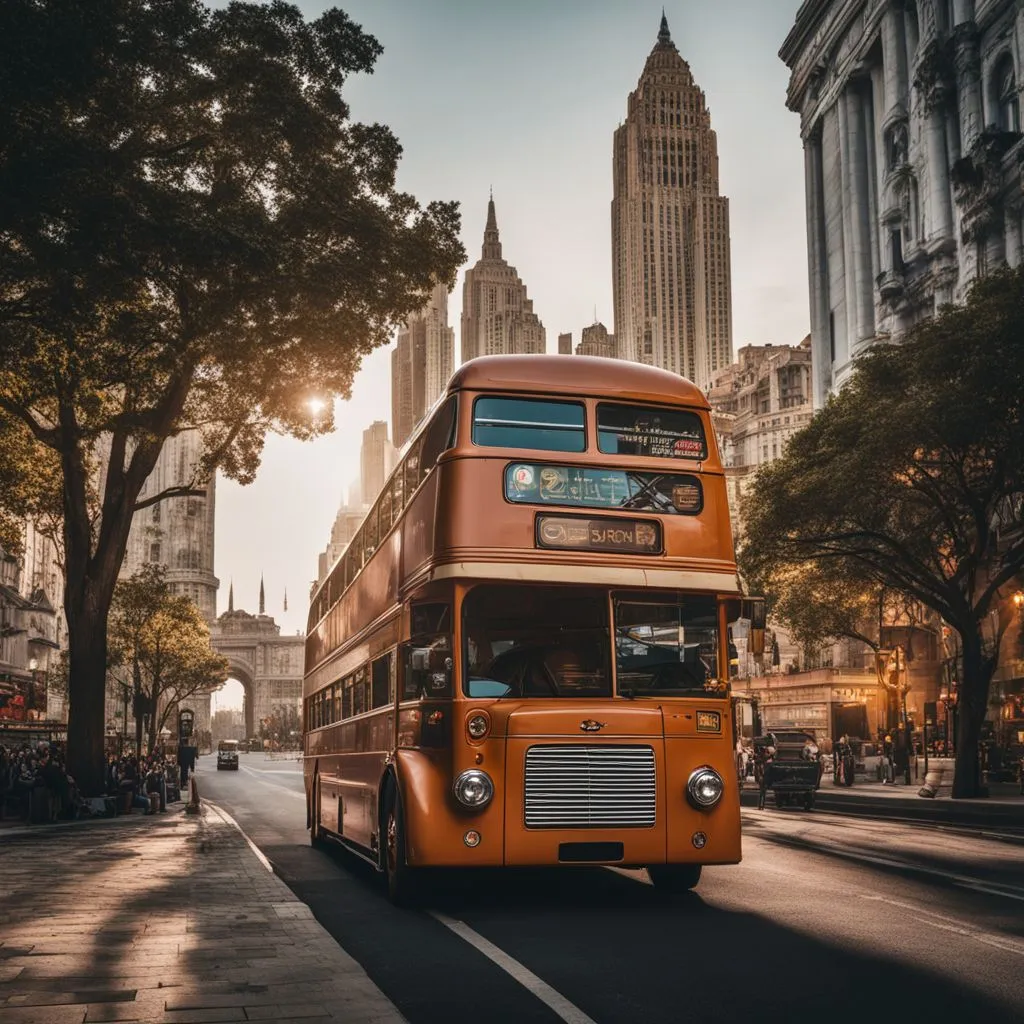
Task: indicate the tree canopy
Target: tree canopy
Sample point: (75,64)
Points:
(912,478)
(194,235)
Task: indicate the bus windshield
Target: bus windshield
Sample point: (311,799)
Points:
(536,642)
(539,642)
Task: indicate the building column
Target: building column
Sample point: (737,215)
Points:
(857,197)
(894,60)
(939,208)
(968,73)
(845,344)
(817,263)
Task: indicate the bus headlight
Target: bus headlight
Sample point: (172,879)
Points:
(478,725)
(705,787)
(474,789)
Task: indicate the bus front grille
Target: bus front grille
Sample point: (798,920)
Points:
(570,786)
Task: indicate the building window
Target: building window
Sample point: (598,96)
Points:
(1007,100)
(155,515)
(896,244)
(154,552)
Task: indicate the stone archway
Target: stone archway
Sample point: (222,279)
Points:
(269,666)
(240,672)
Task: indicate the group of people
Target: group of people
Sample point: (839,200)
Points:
(147,782)
(35,784)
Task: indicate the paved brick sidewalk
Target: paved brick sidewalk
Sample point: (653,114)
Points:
(164,918)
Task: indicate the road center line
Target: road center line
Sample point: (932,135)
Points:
(554,1000)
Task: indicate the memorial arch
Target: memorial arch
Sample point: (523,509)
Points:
(268,665)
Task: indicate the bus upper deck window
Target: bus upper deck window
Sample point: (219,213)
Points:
(529,423)
(650,431)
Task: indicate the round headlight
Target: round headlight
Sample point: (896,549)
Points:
(473,788)
(477,726)
(705,787)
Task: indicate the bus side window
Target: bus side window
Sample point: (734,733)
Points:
(380,681)
(412,468)
(439,435)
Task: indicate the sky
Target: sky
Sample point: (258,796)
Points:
(523,96)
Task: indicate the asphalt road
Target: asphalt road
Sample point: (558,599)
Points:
(829,917)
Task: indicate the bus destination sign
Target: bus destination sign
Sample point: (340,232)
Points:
(572,533)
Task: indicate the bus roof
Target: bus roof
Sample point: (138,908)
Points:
(577,375)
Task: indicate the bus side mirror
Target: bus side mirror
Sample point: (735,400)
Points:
(754,609)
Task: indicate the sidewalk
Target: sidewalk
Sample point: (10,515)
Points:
(1003,806)
(164,918)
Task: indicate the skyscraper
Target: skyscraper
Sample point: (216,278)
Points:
(376,460)
(497,316)
(178,532)
(421,364)
(670,227)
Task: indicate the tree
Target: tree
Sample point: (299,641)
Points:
(193,236)
(160,649)
(912,477)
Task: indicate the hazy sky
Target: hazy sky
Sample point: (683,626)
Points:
(523,96)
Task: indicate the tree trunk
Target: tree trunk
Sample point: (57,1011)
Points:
(970,713)
(87,691)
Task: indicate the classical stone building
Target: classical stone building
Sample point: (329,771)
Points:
(32,631)
(596,341)
(671,265)
(178,532)
(910,116)
(421,364)
(758,403)
(497,315)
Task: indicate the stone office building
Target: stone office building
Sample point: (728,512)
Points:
(910,116)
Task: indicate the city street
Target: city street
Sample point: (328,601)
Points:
(837,917)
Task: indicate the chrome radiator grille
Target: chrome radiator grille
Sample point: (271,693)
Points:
(571,786)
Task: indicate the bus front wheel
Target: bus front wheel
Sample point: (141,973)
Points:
(672,878)
(400,877)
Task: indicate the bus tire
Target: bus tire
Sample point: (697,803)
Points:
(316,833)
(674,878)
(401,879)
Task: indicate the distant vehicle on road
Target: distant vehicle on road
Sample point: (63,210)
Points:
(227,754)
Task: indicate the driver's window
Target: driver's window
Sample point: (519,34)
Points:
(427,655)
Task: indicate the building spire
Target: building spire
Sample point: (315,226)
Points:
(664,36)
(263,598)
(286,599)
(492,246)
(231,596)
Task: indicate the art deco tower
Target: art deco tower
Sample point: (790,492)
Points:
(670,226)
(497,317)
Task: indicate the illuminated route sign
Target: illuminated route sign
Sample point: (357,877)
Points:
(571,533)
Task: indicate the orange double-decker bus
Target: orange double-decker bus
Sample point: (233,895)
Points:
(522,656)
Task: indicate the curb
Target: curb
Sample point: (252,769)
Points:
(20,831)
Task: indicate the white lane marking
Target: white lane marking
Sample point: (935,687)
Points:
(965,881)
(951,924)
(275,785)
(555,1001)
(231,821)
